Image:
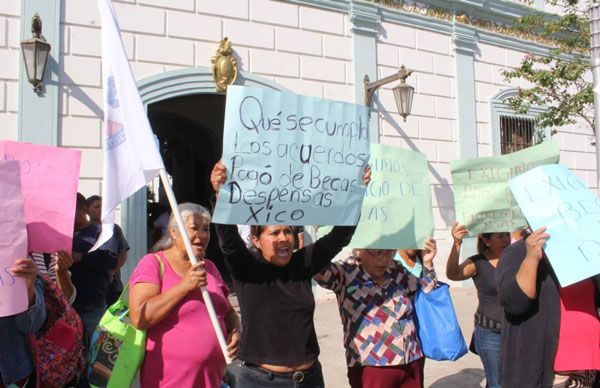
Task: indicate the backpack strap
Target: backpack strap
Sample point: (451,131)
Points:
(161,266)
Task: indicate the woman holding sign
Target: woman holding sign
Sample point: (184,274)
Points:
(482,268)
(279,345)
(551,334)
(375,295)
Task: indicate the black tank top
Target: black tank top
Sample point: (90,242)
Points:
(487,293)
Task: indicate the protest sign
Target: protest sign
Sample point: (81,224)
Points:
(482,199)
(49,178)
(554,197)
(13,240)
(291,159)
(396,212)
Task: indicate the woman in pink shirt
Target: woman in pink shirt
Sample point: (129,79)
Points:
(182,349)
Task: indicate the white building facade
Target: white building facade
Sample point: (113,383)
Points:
(320,48)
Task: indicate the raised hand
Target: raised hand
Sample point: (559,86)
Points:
(218,176)
(535,243)
(429,252)
(367,175)
(26,268)
(64,261)
(459,231)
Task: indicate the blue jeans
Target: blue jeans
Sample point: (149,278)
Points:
(487,344)
(244,376)
(90,317)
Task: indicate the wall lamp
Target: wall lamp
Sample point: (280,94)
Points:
(403,93)
(35,54)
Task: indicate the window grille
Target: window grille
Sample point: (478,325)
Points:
(515,133)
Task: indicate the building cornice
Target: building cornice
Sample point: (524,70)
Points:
(491,20)
(365,18)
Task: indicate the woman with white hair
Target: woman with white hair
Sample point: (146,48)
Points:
(165,300)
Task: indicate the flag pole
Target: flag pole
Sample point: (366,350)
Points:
(193,259)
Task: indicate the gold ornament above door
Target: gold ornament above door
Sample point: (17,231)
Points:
(224,66)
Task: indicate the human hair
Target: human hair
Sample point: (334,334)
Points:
(186,209)
(91,199)
(481,246)
(81,202)
(256,230)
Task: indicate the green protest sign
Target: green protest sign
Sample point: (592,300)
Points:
(396,211)
(482,199)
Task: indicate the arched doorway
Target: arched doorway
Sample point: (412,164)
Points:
(187,116)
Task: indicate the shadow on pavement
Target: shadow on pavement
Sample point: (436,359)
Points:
(466,378)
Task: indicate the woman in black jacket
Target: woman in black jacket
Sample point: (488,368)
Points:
(273,283)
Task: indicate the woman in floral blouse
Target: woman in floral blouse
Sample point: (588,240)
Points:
(375,296)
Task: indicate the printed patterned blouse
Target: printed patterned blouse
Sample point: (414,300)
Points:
(379,329)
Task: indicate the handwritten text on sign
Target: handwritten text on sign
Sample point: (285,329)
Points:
(291,159)
(554,197)
(13,240)
(49,178)
(396,212)
(482,198)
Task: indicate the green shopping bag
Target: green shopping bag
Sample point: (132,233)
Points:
(118,348)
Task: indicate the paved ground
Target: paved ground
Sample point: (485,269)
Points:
(467,372)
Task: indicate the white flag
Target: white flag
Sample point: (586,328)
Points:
(131,157)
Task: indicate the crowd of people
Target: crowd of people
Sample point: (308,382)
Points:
(529,332)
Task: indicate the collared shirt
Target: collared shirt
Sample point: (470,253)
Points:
(378,320)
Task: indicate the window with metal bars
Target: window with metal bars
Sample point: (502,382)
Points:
(515,133)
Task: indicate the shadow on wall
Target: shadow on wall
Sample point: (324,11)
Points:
(466,378)
(442,188)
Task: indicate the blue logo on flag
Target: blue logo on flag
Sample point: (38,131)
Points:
(113,101)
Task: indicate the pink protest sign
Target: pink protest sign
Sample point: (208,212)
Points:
(49,178)
(13,240)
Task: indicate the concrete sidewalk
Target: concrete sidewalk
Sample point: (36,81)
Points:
(467,372)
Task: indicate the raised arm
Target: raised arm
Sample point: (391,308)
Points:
(466,269)
(319,254)
(64,261)
(516,275)
(527,274)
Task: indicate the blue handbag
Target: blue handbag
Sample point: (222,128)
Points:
(437,326)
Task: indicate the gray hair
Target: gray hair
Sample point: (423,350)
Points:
(187,210)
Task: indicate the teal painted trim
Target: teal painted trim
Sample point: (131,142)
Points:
(366,22)
(466,44)
(159,87)
(193,80)
(38,120)
(365,18)
(133,222)
(500,108)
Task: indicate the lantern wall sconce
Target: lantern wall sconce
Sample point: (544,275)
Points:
(35,54)
(403,93)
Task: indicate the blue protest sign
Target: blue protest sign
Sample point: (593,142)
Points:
(553,196)
(291,159)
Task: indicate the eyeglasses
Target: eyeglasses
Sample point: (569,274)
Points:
(378,252)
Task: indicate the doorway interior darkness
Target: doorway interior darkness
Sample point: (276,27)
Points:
(190,133)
